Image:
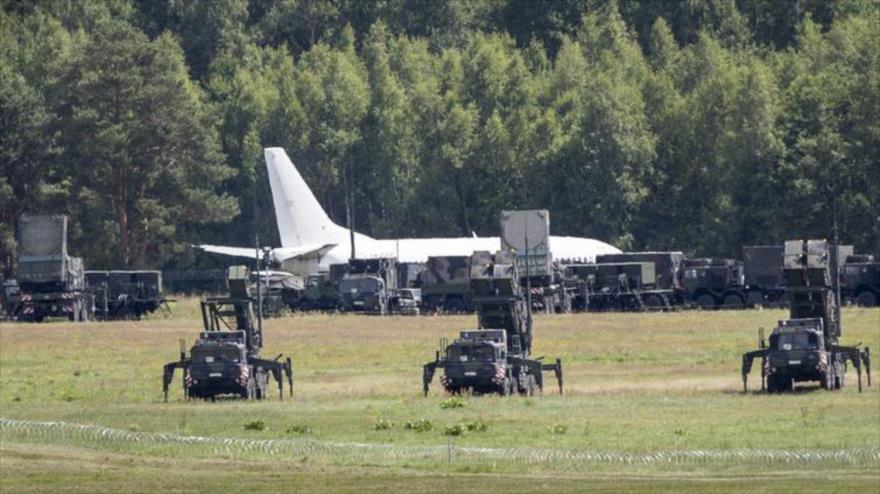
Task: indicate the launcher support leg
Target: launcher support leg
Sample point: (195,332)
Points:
(428,375)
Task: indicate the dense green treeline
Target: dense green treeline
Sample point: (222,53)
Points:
(696,125)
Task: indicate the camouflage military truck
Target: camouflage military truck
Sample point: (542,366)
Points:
(762,275)
(667,265)
(363,293)
(51,282)
(805,347)
(860,280)
(125,294)
(279,290)
(496,357)
(409,274)
(625,285)
(711,283)
(445,285)
(225,360)
(638,281)
(369,285)
(319,293)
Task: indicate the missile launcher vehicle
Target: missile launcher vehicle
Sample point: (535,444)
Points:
(225,359)
(805,347)
(495,357)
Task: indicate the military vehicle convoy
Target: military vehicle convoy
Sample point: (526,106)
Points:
(225,359)
(50,282)
(805,347)
(496,357)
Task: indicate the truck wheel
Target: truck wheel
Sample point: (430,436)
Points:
(866,299)
(706,301)
(755,298)
(733,301)
(654,301)
(453,306)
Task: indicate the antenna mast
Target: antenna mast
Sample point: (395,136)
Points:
(257,259)
(528,279)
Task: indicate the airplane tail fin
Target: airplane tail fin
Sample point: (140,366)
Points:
(301,219)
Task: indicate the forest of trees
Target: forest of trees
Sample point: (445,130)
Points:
(699,125)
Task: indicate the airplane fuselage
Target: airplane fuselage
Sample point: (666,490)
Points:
(419,249)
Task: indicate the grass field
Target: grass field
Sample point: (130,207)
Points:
(644,387)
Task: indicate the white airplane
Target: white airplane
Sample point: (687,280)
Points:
(311,242)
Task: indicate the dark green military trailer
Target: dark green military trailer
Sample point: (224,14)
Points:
(805,347)
(125,294)
(225,360)
(619,286)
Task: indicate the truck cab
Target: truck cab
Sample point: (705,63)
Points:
(219,366)
(477,361)
(363,293)
(797,353)
(319,293)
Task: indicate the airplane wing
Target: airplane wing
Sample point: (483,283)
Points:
(229,251)
(280,254)
(312,250)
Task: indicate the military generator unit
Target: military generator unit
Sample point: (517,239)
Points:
(805,347)
(225,360)
(50,282)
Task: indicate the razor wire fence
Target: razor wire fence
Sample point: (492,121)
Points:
(172,444)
